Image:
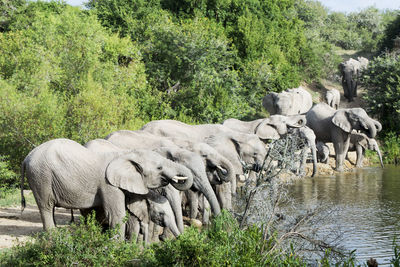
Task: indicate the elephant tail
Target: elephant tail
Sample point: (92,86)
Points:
(23,203)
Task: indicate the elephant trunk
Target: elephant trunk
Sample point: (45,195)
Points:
(183,179)
(378,125)
(372,130)
(175,201)
(378,151)
(208,192)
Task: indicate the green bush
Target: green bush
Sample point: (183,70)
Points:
(84,244)
(63,75)
(391,148)
(392,31)
(382,84)
(8,178)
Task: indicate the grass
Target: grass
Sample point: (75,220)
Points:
(12,197)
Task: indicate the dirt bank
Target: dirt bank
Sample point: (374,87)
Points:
(16,227)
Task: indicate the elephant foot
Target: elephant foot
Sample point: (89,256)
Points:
(340,169)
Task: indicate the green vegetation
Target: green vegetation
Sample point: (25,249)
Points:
(222,243)
(71,73)
(382,84)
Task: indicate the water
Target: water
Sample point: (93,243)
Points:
(368,204)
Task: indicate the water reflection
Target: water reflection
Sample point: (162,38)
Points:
(368,201)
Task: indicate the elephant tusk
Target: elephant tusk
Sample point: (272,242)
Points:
(179,178)
(223,171)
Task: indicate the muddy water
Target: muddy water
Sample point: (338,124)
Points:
(368,208)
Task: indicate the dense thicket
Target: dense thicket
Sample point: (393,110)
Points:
(362,30)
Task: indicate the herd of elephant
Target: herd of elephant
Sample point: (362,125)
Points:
(168,169)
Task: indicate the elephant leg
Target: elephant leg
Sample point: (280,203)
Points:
(47,217)
(206,211)
(341,149)
(223,192)
(193,198)
(360,156)
(145,231)
(132,228)
(114,208)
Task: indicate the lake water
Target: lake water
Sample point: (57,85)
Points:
(368,208)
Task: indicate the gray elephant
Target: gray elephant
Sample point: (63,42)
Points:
(143,208)
(330,125)
(350,71)
(332,97)
(322,152)
(275,127)
(152,207)
(208,166)
(237,147)
(359,142)
(290,102)
(63,173)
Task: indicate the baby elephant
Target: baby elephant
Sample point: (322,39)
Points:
(332,97)
(359,142)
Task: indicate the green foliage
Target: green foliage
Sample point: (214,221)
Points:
(7,176)
(392,31)
(83,245)
(396,254)
(382,83)
(391,148)
(63,75)
(223,243)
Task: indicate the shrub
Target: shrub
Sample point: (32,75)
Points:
(63,75)
(83,245)
(382,84)
(391,148)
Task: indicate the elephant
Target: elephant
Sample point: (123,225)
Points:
(305,133)
(330,125)
(350,71)
(332,97)
(269,128)
(290,102)
(207,165)
(144,209)
(244,151)
(363,62)
(63,173)
(275,127)
(359,142)
(322,152)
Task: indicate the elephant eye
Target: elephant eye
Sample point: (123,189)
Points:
(159,168)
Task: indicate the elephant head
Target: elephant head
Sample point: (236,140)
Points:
(355,118)
(276,126)
(195,164)
(269,101)
(219,169)
(141,170)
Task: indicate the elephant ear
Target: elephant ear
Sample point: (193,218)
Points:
(266,131)
(124,173)
(341,120)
